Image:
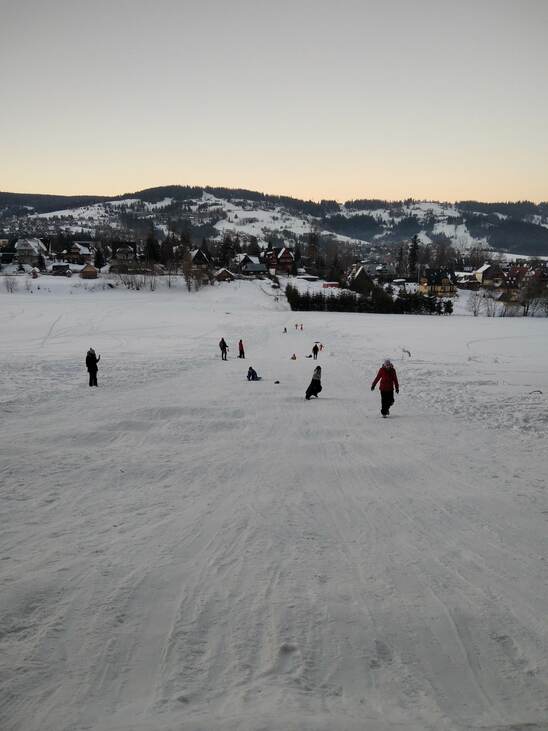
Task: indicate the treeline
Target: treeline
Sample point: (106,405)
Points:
(42,203)
(183,193)
(378,301)
(514,209)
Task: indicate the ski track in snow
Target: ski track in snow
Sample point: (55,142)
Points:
(182,550)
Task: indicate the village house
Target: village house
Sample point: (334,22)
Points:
(467,280)
(280,260)
(436,283)
(197,264)
(249,265)
(200,260)
(240,260)
(490,275)
(29,251)
(124,251)
(88,271)
(223,275)
(254,269)
(359,280)
(124,256)
(81,252)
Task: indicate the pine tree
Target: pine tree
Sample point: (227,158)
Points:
(413,256)
(41,263)
(313,247)
(226,252)
(99,259)
(253,248)
(152,249)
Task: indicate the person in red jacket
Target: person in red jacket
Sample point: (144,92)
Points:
(388,382)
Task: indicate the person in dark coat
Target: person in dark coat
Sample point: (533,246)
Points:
(252,375)
(388,382)
(315,351)
(91,365)
(315,384)
(224,347)
(241,352)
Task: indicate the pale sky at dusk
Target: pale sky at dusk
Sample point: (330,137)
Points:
(319,99)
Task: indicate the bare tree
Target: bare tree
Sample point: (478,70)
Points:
(532,296)
(490,304)
(475,302)
(187,271)
(10,283)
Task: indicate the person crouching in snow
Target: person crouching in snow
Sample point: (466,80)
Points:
(388,382)
(91,365)
(252,375)
(315,384)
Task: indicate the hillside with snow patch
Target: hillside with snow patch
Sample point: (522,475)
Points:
(519,228)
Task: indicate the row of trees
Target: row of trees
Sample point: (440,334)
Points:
(377,302)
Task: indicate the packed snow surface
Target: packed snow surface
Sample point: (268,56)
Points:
(182,550)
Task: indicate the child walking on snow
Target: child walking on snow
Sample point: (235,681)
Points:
(388,381)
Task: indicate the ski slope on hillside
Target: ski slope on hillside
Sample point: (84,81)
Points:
(182,550)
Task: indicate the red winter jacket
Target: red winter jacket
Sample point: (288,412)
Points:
(388,379)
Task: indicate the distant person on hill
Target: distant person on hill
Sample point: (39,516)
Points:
(315,384)
(293,357)
(252,375)
(388,382)
(285,330)
(241,351)
(91,365)
(224,347)
(315,351)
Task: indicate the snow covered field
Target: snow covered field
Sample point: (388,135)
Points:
(182,550)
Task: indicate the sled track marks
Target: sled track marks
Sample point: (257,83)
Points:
(50,331)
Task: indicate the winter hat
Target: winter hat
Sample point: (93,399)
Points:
(387,363)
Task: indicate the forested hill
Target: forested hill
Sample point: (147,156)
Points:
(519,227)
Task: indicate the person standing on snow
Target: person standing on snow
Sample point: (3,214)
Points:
(241,352)
(315,350)
(224,347)
(315,384)
(388,382)
(91,365)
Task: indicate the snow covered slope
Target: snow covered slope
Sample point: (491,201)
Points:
(184,550)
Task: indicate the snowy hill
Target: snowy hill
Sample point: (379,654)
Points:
(518,228)
(183,549)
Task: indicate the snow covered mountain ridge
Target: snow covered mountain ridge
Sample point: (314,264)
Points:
(516,227)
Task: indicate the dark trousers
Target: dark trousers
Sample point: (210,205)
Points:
(315,354)
(242,354)
(223,354)
(387,399)
(93,378)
